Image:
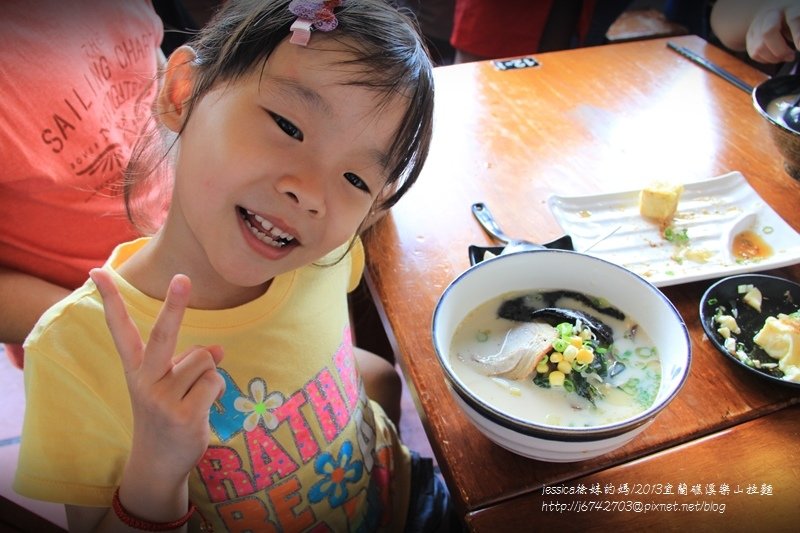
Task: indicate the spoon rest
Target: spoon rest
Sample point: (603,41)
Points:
(478,253)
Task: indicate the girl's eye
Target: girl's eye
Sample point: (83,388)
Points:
(356,181)
(287,127)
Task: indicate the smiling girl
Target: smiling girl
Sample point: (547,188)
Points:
(205,377)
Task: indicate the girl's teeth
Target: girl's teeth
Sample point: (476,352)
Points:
(264,237)
(268,233)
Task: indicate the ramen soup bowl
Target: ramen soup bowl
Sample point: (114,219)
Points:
(771,99)
(500,336)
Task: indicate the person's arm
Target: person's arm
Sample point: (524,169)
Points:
(170,398)
(98,519)
(159,503)
(769,31)
(23,299)
(381,382)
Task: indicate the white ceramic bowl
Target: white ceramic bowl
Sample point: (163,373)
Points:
(539,270)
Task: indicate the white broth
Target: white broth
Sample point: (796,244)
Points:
(777,108)
(624,395)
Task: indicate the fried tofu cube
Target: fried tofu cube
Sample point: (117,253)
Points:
(659,201)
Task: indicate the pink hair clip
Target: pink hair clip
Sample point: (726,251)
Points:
(312,15)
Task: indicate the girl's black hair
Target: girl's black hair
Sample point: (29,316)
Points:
(385,45)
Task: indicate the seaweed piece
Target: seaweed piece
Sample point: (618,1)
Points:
(585,388)
(551,297)
(519,310)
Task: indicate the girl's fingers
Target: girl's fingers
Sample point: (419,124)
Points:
(126,337)
(164,336)
(215,350)
(157,357)
(207,388)
(191,365)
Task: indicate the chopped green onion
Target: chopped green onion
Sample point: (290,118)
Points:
(631,386)
(564,329)
(624,356)
(569,386)
(712,301)
(646,351)
(676,236)
(601,302)
(767,229)
(560,345)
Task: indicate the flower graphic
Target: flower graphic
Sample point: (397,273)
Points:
(336,474)
(259,406)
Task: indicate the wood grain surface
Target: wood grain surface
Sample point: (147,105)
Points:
(739,478)
(584,121)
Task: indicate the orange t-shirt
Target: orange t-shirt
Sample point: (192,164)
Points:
(77,82)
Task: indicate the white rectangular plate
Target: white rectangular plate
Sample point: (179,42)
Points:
(707,210)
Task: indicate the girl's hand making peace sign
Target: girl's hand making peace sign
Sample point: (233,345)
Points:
(170,396)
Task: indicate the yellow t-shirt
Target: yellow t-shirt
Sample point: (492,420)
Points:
(295,442)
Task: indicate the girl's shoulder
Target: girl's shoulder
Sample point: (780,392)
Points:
(74,317)
(70,352)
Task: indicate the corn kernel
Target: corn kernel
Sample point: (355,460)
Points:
(565,367)
(556,357)
(556,378)
(542,367)
(584,356)
(576,341)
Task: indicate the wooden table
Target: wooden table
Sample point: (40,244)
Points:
(588,121)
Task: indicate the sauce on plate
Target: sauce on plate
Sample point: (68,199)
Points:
(748,245)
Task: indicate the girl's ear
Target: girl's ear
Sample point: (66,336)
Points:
(176,89)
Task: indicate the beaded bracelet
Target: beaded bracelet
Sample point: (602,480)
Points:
(145,525)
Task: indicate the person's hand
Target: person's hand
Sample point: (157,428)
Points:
(774,34)
(170,396)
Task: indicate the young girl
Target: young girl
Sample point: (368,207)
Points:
(232,402)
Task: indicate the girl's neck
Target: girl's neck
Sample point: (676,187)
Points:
(151,269)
